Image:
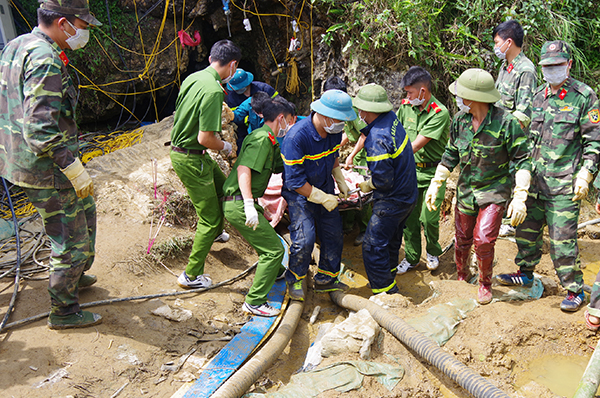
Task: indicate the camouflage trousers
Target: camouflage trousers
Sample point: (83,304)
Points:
(70,223)
(594,305)
(561,215)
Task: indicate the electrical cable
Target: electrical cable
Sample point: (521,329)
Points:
(25,321)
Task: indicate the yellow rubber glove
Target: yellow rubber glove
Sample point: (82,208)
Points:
(441,175)
(366,186)
(517,210)
(81,180)
(582,183)
(341,182)
(327,200)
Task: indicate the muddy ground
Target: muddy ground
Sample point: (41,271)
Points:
(125,353)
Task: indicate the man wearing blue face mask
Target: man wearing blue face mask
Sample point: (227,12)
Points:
(310,158)
(565,130)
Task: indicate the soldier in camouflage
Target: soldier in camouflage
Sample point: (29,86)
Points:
(592,313)
(39,149)
(516,81)
(485,141)
(565,132)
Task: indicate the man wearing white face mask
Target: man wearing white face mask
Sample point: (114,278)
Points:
(427,123)
(197,118)
(39,141)
(310,158)
(565,130)
(259,158)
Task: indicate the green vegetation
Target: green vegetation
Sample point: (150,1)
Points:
(449,36)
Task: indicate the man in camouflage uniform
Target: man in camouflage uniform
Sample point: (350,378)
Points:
(39,149)
(516,80)
(592,314)
(565,132)
(484,141)
(427,123)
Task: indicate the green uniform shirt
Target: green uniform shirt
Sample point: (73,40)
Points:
(198,108)
(432,122)
(565,130)
(516,84)
(38,133)
(484,157)
(261,154)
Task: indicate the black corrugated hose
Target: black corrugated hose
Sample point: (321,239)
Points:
(13,299)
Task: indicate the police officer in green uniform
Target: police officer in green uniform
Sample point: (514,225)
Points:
(197,118)
(39,149)
(259,157)
(565,130)
(427,123)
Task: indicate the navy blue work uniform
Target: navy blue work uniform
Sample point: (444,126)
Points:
(233,100)
(392,165)
(307,157)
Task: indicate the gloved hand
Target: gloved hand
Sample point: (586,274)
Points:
(366,186)
(441,175)
(341,182)
(251,214)
(582,183)
(517,209)
(81,180)
(327,200)
(226,148)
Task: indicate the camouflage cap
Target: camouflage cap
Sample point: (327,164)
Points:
(555,52)
(76,8)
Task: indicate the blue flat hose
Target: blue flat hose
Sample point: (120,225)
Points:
(478,386)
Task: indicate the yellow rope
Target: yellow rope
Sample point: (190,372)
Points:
(291,84)
(19,11)
(312,60)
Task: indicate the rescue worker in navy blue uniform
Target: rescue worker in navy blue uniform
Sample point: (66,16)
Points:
(394,182)
(310,159)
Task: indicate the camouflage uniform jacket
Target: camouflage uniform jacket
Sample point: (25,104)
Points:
(484,157)
(516,84)
(565,129)
(38,133)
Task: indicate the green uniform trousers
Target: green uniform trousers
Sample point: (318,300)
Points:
(561,215)
(203,180)
(70,223)
(267,244)
(430,220)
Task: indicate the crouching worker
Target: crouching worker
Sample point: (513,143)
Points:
(310,157)
(394,182)
(259,157)
(484,141)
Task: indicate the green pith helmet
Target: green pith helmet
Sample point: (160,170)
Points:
(372,98)
(555,52)
(475,85)
(76,8)
(335,104)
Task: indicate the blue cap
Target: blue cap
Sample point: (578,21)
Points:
(335,104)
(241,79)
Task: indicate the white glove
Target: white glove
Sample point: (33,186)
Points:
(582,183)
(251,214)
(366,186)
(226,148)
(517,209)
(327,200)
(341,182)
(81,180)
(441,175)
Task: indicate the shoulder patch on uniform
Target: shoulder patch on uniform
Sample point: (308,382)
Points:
(435,107)
(594,116)
(405,101)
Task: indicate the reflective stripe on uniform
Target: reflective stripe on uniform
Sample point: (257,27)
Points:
(389,155)
(311,157)
(385,289)
(331,274)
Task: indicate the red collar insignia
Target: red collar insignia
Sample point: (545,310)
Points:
(273,140)
(562,94)
(510,68)
(435,107)
(405,101)
(63,58)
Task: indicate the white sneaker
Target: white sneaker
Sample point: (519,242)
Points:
(201,281)
(224,237)
(507,230)
(404,267)
(432,262)
(261,310)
